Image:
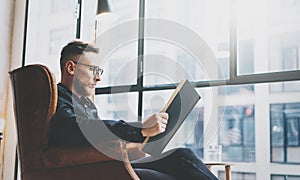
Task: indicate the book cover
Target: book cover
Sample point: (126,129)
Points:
(180,104)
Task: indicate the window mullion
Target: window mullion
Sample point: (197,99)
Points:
(233,41)
(285,129)
(78,17)
(25,32)
(140,64)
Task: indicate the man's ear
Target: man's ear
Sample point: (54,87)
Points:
(70,68)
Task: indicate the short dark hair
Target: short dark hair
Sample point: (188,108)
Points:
(73,49)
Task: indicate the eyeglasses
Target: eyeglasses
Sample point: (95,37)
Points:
(96,69)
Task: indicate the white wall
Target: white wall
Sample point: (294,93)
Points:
(11,45)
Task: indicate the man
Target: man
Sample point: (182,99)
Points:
(75,112)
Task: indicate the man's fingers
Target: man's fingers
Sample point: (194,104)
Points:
(163,126)
(164,121)
(158,126)
(164,115)
(156,129)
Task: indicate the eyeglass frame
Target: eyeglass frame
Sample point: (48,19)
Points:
(96,69)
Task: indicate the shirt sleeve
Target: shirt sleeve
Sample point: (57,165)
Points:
(70,129)
(131,132)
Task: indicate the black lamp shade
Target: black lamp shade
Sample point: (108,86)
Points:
(103,7)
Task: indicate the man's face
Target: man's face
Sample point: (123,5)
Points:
(85,79)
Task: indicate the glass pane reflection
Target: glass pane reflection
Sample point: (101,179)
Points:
(269,39)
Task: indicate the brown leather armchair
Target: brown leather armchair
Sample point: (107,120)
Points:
(35,98)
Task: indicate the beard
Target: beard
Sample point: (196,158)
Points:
(82,87)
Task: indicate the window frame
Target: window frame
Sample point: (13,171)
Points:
(234,78)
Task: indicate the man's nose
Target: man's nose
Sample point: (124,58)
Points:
(98,77)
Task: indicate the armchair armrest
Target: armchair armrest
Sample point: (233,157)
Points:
(72,156)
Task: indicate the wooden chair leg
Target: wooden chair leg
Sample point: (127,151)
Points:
(227,168)
(227,172)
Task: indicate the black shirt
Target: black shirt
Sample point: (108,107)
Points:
(76,123)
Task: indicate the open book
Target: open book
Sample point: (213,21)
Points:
(178,107)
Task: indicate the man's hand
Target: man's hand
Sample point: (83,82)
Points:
(155,124)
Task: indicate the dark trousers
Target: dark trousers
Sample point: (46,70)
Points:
(180,163)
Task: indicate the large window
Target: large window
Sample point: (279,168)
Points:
(243,57)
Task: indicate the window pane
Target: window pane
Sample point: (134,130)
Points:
(268,36)
(62,5)
(205,22)
(48,30)
(190,133)
(88,20)
(116,36)
(240,89)
(235,124)
(117,106)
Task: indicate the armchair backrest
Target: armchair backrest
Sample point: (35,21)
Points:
(35,99)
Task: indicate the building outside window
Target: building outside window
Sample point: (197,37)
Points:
(285,126)
(238,175)
(237,133)
(284,177)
